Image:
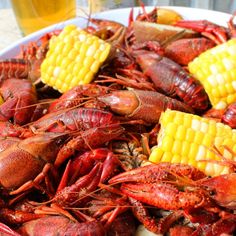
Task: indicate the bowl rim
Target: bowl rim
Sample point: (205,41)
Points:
(9,50)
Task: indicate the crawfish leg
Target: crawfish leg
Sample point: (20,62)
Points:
(143,216)
(5,230)
(17,217)
(76,193)
(35,183)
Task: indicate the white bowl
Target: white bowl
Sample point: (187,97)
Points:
(119,15)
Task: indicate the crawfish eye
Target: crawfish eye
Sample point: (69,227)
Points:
(59,142)
(212,192)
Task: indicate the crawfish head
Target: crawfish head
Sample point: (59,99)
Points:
(222,189)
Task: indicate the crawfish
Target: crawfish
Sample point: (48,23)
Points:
(158,191)
(27,64)
(173,80)
(74,119)
(222,189)
(25,160)
(19,96)
(147,184)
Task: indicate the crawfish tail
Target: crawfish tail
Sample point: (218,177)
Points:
(139,104)
(173,80)
(14,68)
(74,119)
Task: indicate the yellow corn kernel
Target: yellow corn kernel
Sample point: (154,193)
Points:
(73,58)
(166,157)
(216,70)
(157,153)
(197,146)
(185,149)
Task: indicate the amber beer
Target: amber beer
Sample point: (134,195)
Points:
(32,15)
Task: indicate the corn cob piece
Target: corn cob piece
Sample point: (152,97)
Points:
(216,70)
(190,139)
(74,57)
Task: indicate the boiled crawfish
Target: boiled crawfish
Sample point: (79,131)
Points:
(170,78)
(156,179)
(135,104)
(19,99)
(27,64)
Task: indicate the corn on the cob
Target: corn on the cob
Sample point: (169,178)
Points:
(190,139)
(74,57)
(216,70)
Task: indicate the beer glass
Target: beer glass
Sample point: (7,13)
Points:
(32,15)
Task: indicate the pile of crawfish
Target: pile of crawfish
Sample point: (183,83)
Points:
(77,163)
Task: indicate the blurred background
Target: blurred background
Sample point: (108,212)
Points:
(228,6)
(10,31)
